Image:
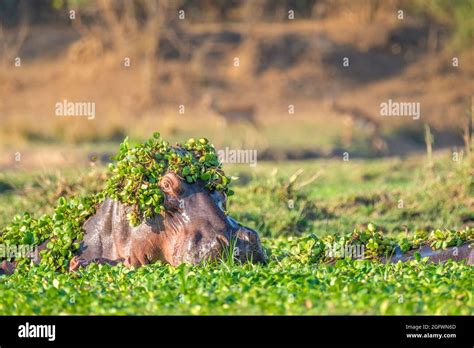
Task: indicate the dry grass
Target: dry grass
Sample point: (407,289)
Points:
(85,71)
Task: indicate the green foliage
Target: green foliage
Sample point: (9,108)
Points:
(63,229)
(300,277)
(289,284)
(376,245)
(134,181)
(439,239)
(59,4)
(458,14)
(138,171)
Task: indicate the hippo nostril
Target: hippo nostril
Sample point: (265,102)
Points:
(197,237)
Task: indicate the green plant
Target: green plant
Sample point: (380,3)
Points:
(293,283)
(456,14)
(299,279)
(62,230)
(134,181)
(376,245)
(137,173)
(442,239)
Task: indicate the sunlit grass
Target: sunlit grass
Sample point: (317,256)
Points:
(342,195)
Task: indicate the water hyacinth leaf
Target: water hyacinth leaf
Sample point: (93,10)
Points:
(205,176)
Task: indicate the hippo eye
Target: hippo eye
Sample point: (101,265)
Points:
(170,184)
(166,186)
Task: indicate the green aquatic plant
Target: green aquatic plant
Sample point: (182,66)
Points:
(369,243)
(134,180)
(138,170)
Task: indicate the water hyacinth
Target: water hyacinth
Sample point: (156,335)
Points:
(376,245)
(138,171)
(62,231)
(134,180)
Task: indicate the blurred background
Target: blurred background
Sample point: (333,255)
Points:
(262,74)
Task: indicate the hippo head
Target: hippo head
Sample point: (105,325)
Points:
(197,219)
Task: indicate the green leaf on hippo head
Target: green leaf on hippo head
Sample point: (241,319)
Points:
(205,176)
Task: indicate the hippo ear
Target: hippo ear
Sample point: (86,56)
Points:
(170,184)
(220,199)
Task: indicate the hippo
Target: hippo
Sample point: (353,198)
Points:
(459,253)
(193,228)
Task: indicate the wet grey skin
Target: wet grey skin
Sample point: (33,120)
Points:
(459,253)
(194,228)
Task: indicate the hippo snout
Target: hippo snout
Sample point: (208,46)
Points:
(199,248)
(248,247)
(241,242)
